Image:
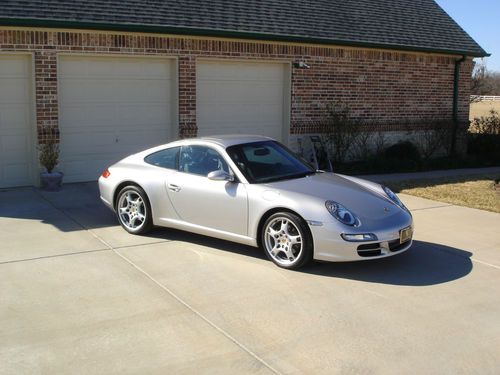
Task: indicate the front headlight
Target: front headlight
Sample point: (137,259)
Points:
(341,213)
(393,197)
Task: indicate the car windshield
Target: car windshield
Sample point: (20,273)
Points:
(268,161)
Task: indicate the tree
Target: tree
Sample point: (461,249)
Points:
(484,82)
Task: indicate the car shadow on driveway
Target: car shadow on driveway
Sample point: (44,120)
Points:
(423,264)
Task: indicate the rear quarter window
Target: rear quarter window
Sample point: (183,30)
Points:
(167,158)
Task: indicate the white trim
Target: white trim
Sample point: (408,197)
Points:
(484,98)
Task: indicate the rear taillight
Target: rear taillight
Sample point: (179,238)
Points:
(106,173)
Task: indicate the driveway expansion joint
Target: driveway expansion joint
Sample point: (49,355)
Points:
(54,256)
(166,289)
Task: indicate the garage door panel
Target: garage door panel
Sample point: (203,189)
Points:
(151,114)
(14,116)
(112,115)
(14,90)
(242,113)
(16,142)
(75,116)
(120,67)
(14,67)
(141,91)
(17,174)
(88,170)
(16,147)
(112,107)
(86,143)
(128,140)
(239,71)
(235,91)
(239,97)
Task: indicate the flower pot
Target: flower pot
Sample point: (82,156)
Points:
(51,181)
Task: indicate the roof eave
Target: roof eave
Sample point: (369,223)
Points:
(127,27)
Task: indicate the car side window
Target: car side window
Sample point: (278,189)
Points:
(165,158)
(201,160)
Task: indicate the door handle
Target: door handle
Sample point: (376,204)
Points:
(174,188)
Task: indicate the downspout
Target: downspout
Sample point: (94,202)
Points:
(456,82)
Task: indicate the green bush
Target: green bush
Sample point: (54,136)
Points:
(49,155)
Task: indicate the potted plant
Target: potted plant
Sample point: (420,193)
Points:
(49,158)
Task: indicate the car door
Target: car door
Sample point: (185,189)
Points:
(219,205)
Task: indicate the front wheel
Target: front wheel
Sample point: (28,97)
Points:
(287,241)
(133,210)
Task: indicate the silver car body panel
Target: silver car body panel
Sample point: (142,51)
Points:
(233,210)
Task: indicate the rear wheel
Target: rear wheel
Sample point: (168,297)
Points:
(133,210)
(287,241)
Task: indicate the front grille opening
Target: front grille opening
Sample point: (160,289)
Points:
(396,246)
(369,246)
(369,253)
(369,250)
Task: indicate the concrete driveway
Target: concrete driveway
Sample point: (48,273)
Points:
(79,295)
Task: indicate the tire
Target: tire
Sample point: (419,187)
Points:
(287,241)
(133,210)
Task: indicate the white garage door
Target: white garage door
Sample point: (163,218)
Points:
(241,98)
(111,107)
(16,142)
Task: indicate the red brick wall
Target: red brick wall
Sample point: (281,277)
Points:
(392,89)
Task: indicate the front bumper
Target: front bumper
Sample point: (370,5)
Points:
(330,246)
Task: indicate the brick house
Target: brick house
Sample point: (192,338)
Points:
(107,78)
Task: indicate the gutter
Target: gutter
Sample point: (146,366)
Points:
(456,82)
(192,31)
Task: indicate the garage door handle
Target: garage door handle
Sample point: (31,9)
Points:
(174,187)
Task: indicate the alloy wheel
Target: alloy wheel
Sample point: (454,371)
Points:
(283,241)
(131,210)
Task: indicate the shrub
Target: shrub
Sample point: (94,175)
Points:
(483,139)
(49,155)
(486,124)
(403,151)
(485,146)
(434,139)
(341,131)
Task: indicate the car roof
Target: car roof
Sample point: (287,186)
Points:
(233,139)
(220,140)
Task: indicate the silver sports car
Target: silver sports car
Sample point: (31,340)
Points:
(253,190)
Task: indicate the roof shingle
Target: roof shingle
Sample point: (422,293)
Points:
(418,25)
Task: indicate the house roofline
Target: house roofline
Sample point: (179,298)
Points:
(190,31)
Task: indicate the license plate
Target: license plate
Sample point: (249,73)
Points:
(405,235)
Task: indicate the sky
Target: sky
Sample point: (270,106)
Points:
(481,20)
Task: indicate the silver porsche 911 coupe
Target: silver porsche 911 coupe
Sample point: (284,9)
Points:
(253,190)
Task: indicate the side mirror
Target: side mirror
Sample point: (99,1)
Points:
(220,175)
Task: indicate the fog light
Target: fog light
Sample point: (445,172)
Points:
(359,237)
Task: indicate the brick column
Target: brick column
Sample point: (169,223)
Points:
(47,117)
(187,97)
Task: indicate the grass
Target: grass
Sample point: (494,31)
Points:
(469,191)
(483,108)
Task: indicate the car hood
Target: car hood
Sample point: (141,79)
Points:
(362,201)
